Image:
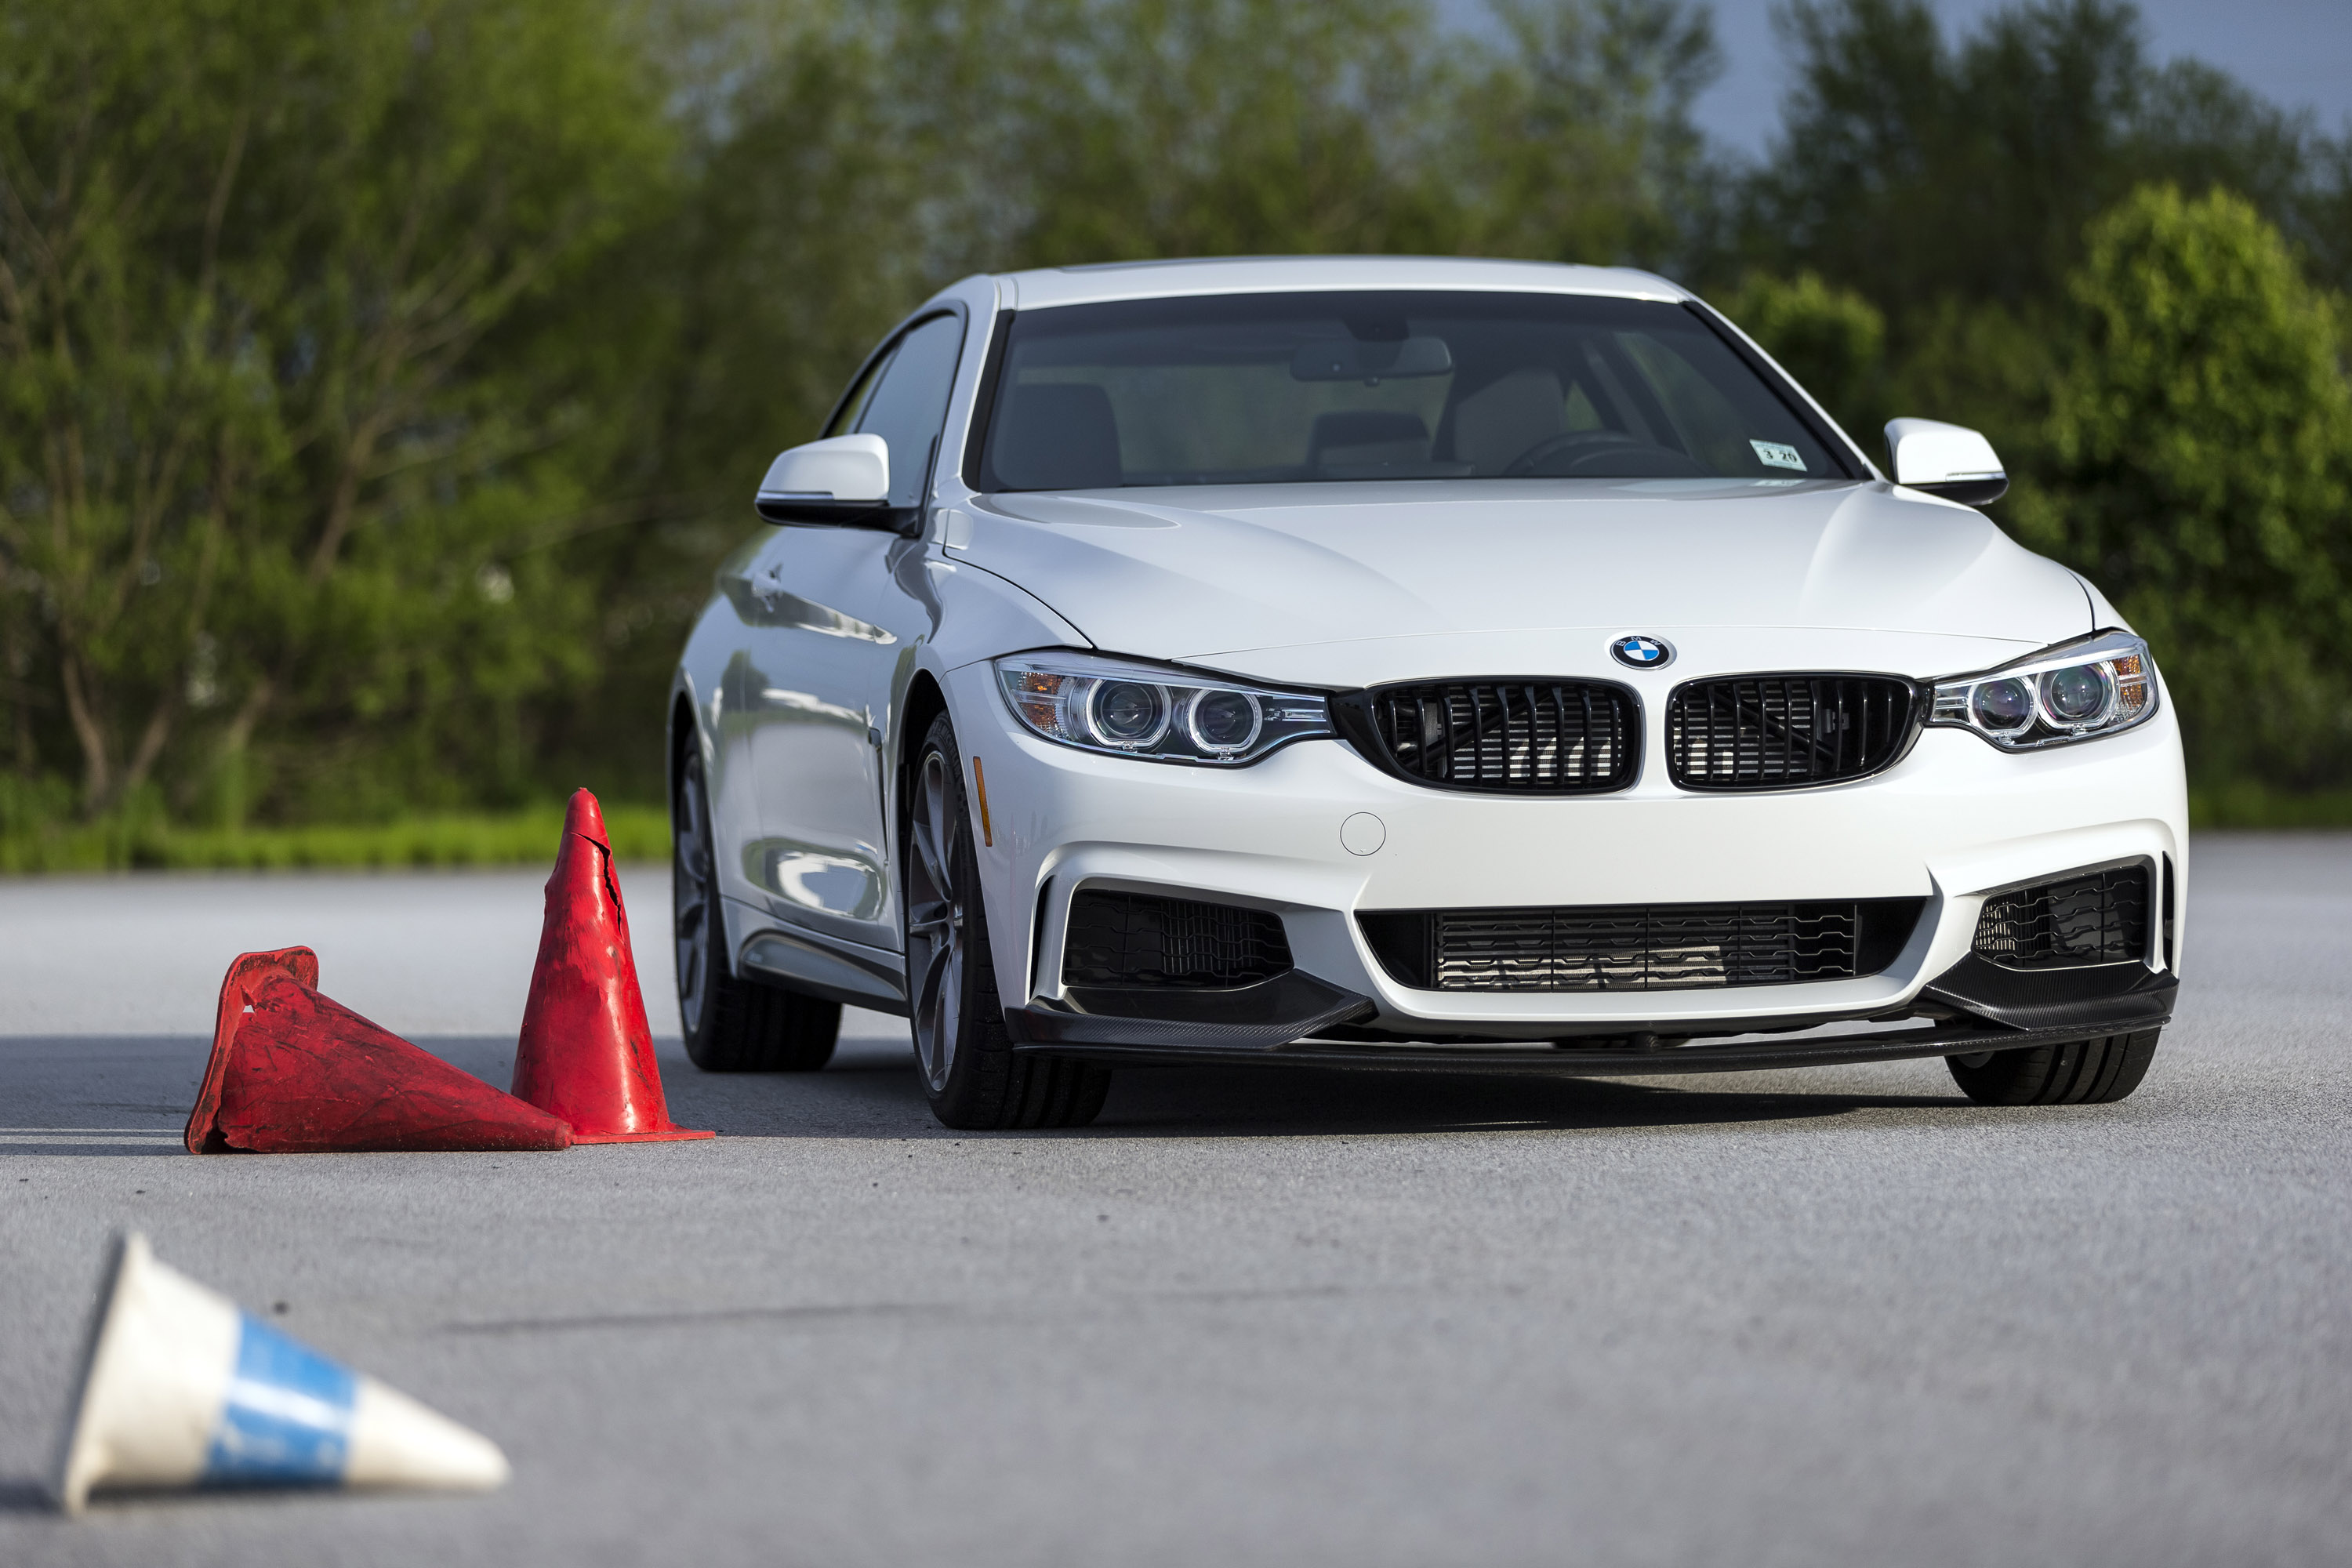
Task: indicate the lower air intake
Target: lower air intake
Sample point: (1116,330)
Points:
(2098,916)
(1131,940)
(1640,947)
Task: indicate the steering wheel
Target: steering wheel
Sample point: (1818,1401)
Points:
(1589,447)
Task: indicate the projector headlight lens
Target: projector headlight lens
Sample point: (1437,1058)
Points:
(1224,722)
(2002,707)
(1128,714)
(1166,714)
(2075,692)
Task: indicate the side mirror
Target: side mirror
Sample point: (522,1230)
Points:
(1948,460)
(845,479)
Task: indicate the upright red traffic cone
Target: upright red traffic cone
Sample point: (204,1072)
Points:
(587,1053)
(294,1073)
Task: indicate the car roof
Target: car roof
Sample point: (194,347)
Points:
(1046,287)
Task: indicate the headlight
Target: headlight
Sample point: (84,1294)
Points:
(1144,710)
(2074,691)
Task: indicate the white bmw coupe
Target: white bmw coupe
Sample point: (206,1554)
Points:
(1453,666)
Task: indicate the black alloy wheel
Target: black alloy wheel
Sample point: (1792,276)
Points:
(732,1024)
(971,1072)
(2081,1072)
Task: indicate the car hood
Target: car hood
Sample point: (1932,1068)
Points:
(1214,575)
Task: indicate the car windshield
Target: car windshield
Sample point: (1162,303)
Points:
(1293,388)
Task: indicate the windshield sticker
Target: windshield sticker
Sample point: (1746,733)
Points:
(1773,454)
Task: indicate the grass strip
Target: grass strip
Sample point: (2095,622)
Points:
(525,837)
(2258,805)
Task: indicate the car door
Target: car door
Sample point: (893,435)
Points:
(834,616)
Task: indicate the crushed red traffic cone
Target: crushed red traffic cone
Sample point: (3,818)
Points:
(294,1073)
(587,1053)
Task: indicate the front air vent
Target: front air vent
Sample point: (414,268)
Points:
(2094,916)
(1639,947)
(1781,732)
(1517,735)
(1135,940)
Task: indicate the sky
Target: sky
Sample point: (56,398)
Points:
(2296,53)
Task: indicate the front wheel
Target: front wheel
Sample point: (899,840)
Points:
(971,1072)
(732,1024)
(2081,1072)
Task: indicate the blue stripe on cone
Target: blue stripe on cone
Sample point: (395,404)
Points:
(287,1419)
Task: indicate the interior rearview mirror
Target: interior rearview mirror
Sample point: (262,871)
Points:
(842,479)
(1949,461)
(1355,359)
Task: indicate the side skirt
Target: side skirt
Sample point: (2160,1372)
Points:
(827,972)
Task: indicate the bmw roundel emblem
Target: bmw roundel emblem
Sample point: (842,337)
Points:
(1643,653)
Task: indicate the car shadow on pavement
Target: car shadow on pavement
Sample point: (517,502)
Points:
(126,1097)
(871,1091)
(1295,1101)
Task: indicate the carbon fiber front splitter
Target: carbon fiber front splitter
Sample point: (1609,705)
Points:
(1576,1061)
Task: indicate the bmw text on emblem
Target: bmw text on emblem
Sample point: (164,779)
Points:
(1643,653)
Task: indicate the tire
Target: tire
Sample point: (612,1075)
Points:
(732,1024)
(974,1079)
(2084,1072)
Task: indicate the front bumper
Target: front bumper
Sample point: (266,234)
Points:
(1952,823)
(1300,1021)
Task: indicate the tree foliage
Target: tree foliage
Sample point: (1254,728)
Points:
(2200,445)
(2127,275)
(261,444)
(1915,172)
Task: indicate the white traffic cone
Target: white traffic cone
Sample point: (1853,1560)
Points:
(180,1388)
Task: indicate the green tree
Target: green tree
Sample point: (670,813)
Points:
(1916,172)
(2200,442)
(1218,127)
(270,385)
(1573,139)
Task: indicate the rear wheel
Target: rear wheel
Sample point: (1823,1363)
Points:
(732,1024)
(2081,1072)
(970,1069)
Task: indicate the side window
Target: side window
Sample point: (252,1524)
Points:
(910,402)
(853,407)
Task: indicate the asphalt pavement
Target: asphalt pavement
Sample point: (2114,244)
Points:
(1253,1316)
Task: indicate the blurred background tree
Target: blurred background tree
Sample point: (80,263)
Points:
(379,382)
(280,379)
(2130,278)
(2199,448)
